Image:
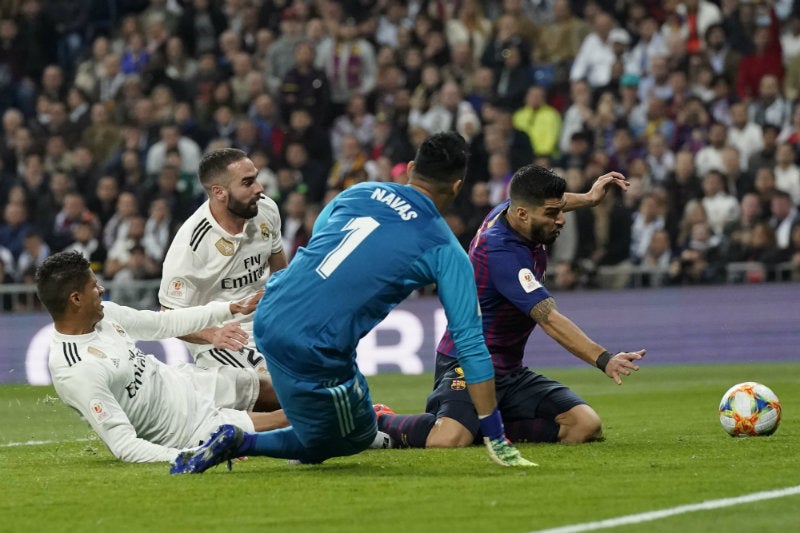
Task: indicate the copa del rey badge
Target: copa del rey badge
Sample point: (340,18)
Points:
(527,280)
(177,288)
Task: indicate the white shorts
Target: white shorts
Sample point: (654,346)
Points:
(232,388)
(217,418)
(247,357)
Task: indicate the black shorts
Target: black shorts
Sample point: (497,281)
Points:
(524,394)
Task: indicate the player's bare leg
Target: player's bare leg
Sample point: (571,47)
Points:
(579,424)
(266,421)
(267,400)
(449,433)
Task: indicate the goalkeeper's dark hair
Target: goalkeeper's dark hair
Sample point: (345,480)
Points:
(214,165)
(441,159)
(532,185)
(57,277)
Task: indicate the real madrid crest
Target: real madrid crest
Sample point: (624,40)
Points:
(264,231)
(225,247)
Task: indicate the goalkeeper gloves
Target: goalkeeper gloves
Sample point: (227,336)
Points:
(500,449)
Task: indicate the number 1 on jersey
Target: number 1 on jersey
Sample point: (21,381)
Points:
(357,230)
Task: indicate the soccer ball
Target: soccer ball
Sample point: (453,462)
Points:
(749,409)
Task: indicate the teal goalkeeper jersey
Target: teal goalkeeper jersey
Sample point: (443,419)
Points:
(371,247)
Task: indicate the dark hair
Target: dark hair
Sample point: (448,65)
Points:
(533,185)
(441,158)
(57,277)
(215,164)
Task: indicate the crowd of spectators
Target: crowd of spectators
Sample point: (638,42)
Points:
(108,105)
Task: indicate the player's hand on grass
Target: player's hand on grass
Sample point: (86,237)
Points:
(247,304)
(504,453)
(622,364)
(231,336)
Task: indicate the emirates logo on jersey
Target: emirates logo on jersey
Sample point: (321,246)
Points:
(225,247)
(264,231)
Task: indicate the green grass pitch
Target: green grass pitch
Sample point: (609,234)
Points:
(664,448)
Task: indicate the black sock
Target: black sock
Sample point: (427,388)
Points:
(531,430)
(407,431)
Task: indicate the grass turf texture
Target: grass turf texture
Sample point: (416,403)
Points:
(664,447)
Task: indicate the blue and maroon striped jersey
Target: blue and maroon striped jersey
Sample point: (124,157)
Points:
(509,270)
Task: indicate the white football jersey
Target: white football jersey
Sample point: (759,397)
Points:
(205,264)
(142,409)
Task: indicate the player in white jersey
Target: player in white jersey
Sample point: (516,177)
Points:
(224,251)
(142,409)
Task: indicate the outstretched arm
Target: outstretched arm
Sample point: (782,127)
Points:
(596,194)
(565,332)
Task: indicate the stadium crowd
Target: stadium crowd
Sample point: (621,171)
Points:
(108,105)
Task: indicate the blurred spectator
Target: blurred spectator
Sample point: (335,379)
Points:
(540,121)
(596,55)
(506,33)
(306,86)
(304,129)
(737,180)
(349,63)
(469,26)
(14,228)
(765,156)
(720,206)
(85,241)
(697,16)
(710,156)
(200,25)
(158,229)
(764,59)
(102,137)
(514,76)
(770,107)
(34,251)
(787,173)
(356,121)
(647,219)
(559,42)
(783,216)
(293,211)
(137,267)
(72,212)
(657,259)
(171,139)
(446,108)
(309,173)
(281,54)
(682,186)
(119,253)
(743,133)
(738,233)
(764,186)
(660,159)
(699,260)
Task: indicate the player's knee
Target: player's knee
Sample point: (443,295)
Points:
(448,439)
(581,424)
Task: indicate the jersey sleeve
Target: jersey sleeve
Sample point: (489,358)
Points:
(85,389)
(274,215)
(154,325)
(510,272)
(179,277)
(459,297)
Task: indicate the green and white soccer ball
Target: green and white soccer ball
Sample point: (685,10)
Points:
(749,409)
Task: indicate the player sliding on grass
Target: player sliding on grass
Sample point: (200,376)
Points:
(371,247)
(142,409)
(509,256)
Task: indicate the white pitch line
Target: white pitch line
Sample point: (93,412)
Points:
(649,516)
(38,442)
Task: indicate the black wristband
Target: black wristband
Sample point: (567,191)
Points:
(602,360)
